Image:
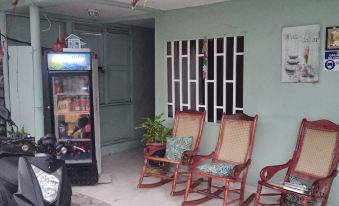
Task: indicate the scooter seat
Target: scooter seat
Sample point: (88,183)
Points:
(9,173)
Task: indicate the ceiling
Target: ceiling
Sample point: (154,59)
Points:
(110,11)
(174,4)
(79,9)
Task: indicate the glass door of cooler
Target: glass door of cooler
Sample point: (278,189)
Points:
(72,115)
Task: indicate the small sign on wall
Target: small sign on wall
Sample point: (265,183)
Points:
(331,61)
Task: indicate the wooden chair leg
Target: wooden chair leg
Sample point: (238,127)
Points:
(257,196)
(242,193)
(142,173)
(326,194)
(209,185)
(305,202)
(188,186)
(324,202)
(227,187)
(283,199)
(175,178)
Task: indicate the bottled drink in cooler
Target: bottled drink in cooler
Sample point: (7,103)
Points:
(65,84)
(77,104)
(57,85)
(82,104)
(87,104)
(62,129)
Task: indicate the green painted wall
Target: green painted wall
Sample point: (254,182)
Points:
(280,106)
(142,63)
(118,120)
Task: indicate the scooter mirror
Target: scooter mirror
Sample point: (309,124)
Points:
(48,139)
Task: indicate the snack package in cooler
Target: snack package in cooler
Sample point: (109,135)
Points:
(64,105)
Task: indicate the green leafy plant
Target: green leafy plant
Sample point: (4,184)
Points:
(154,130)
(17,133)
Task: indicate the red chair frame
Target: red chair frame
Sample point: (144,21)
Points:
(163,175)
(239,173)
(321,185)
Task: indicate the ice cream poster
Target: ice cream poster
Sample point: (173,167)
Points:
(300,54)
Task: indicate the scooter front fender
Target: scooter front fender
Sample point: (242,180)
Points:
(29,193)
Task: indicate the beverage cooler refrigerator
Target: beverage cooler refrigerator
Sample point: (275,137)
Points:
(73,83)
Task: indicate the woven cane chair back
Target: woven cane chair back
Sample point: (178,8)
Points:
(317,152)
(189,123)
(235,138)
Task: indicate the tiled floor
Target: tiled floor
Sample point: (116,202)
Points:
(84,200)
(124,169)
(122,191)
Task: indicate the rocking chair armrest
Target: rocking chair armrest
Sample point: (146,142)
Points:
(187,155)
(195,160)
(151,149)
(320,184)
(239,168)
(268,172)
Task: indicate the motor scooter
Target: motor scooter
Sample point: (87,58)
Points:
(30,172)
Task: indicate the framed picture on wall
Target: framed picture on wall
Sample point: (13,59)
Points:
(300,54)
(332,38)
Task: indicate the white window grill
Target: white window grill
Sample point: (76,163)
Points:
(222,89)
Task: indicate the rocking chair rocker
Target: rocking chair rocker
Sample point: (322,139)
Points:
(229,162)
(311,170)
(186,124)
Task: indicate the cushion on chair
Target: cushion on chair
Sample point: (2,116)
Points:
(216,168)
(176,146)
(295,198)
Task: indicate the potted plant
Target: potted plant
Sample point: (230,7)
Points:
(155,132)
(154,136)
(17,133)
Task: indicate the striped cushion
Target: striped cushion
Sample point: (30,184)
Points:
(216,168)
(176,146)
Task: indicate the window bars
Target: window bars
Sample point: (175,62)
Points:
(217,91)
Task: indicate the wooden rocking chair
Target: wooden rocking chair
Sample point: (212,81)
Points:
(186,124)
(311,170)
(229,162)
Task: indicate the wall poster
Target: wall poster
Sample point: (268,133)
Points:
(300,54)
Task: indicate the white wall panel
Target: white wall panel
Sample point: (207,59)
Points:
(21,87)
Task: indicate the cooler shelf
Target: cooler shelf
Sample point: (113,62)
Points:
(73,112)
(72,94)
(75,140)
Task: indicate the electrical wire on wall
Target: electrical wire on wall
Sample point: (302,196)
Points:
(5,39)
(2,43)
(22,42)
(49,22)
(14,40)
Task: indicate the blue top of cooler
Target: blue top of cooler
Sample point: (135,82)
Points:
(69,61)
